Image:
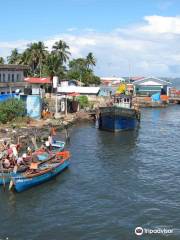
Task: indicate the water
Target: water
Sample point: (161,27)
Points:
(115,183)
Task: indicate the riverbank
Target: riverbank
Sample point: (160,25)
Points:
(23,129)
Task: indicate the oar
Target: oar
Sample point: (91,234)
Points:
(11,182)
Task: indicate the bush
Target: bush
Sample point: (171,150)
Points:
(83,101)
(11,109)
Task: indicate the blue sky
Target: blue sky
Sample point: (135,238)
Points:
(38,18)
(93,21)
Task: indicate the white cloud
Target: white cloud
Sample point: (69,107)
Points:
(159,24)
(150,47)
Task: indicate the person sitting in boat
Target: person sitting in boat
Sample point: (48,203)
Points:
(53,133)
(29,151)
(20,161)
(9,151)
(6,163)
(48,143)
(14,150)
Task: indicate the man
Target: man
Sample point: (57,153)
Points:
(6,163)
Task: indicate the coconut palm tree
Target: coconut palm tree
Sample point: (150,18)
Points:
(90,60)
(15,57)
(52,67)
(61,50)
(2,60)
(34,56)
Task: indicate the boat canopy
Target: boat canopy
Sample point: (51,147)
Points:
(122,100)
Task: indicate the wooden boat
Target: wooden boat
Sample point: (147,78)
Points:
(7,174)
(58,146)
(42,174)
(42,155)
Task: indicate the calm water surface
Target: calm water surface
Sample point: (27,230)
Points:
(115,183)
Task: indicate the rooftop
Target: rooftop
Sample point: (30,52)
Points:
(82,90)
(37,80)
(13,67)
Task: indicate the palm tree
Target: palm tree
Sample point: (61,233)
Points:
(52,67)
(34,56)
(15,57)
(90,60)
(2,60)
(61,50)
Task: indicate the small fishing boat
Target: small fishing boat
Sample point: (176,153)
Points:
(7,174)
(42,174)
(58,146)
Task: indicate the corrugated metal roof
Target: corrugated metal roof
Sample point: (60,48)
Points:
(154,79)
(81,90)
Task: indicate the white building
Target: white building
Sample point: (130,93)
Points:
(12,77)
(109,81)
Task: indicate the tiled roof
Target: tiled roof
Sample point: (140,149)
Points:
(37,80)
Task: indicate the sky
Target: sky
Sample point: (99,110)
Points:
(127,37)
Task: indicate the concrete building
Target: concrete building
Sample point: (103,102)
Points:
(111,81)
(151,85)
(12,78)
(38,85)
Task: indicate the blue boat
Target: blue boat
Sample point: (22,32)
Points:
(121,115)
(7,174)
(43,174)
(58,146)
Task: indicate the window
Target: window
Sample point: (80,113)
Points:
(4,77)
(17,77)
(12,77)
(9,77)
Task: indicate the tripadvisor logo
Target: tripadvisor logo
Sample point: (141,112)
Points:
(139,231)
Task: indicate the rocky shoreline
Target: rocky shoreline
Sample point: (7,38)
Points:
(23,132)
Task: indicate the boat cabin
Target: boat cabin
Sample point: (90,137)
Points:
(123,101)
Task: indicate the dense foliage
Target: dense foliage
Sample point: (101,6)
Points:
(44,63)
(11,109)
(83,101)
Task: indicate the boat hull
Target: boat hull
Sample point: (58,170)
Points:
(23,183)
(117,119)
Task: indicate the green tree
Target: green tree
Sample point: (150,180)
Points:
(35,56)
(11,109)
(2,60)
(83,101)
(79,70)
(61,49)
(90,60)
(15,57)
(52,67)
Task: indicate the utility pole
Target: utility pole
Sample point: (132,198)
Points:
(55,82)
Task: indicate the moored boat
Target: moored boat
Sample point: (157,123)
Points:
(42,174)
(121,115)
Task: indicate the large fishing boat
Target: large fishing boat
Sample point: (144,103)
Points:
(119,115)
